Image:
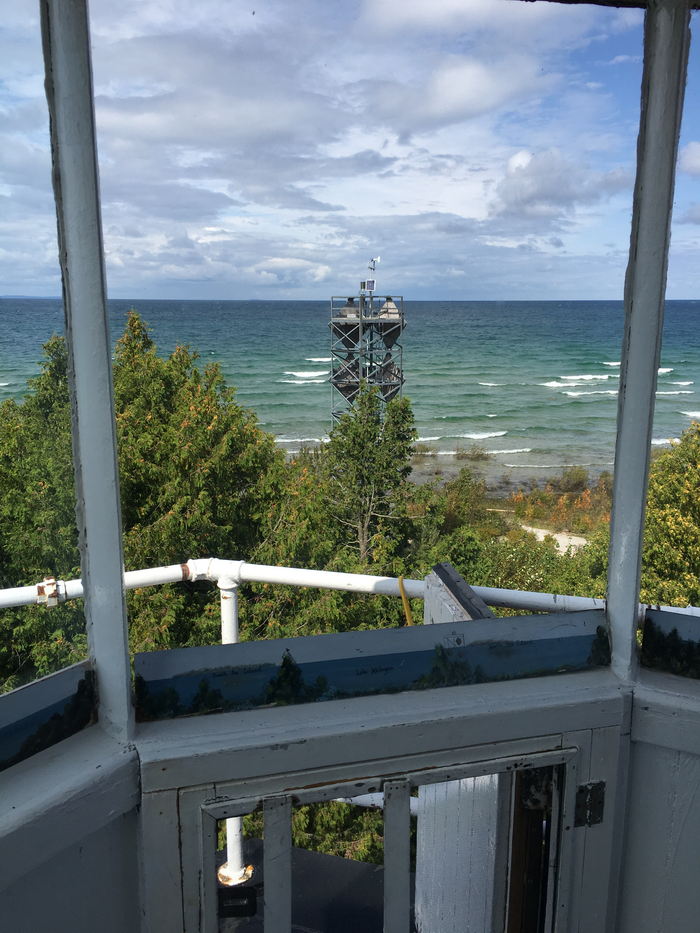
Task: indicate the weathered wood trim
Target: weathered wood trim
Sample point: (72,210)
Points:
(236,746)
(666,712)
(277,866)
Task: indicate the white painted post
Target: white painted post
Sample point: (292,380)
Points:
(456,831)
(66,41)
(666,43)
(233,871)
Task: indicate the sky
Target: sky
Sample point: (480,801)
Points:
(484,149)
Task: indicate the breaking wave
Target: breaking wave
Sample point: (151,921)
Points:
(302,382)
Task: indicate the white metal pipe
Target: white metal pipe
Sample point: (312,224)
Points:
(18,596)
(666,43)
(243,572)
(234,870)
(155,576)
(537,602)
(69,92)
(202,568)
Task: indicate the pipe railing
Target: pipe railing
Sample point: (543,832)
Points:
(50,592)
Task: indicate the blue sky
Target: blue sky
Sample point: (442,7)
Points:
(268,148)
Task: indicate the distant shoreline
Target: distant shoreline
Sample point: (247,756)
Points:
(500,480)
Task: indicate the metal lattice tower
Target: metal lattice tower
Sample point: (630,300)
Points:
(365,345)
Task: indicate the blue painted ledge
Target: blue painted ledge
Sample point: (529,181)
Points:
(671,642)
(189,681)
(38,715)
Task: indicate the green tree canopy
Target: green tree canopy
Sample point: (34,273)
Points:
(671,562)
(367,465)
(197,477)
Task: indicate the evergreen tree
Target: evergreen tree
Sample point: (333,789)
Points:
(671,563)
(197,476)
(367,463)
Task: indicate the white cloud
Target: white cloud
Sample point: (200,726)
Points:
(690,158)
(625,59)
(291,271)
(270,154)
(548,185)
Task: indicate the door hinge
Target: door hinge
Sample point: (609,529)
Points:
(590,803)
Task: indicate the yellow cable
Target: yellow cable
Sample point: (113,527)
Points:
(406,604)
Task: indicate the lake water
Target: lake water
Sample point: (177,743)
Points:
(534,383)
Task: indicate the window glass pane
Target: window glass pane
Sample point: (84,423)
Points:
(238,199)
(38,537)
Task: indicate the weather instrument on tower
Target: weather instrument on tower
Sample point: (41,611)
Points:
(365,344)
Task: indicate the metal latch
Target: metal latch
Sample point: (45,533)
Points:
(590,803)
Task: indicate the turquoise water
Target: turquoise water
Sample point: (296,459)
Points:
(535,383)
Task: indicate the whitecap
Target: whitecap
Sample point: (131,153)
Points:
(515,450)
(600,392)
(298,440)
(691,414)
(550,466)
(668,369)
(682,383)
(479,435)
(678,392)
(492,416)
(318,359)
(306,374)
(586,377)
(664,441)
(610,364)
(4,384)
(436,438)
(493,384)
(303,382)
(564,385)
